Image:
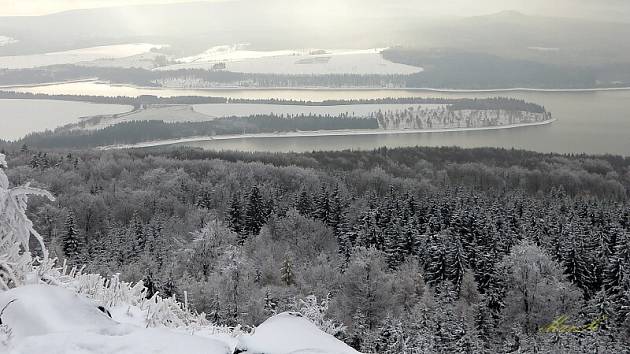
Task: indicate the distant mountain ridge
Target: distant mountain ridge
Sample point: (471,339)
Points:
(193,27)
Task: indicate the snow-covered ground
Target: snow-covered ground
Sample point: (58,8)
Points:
(306,62)
(167,113)
(75,56)
(51,319)
(4,40)
(148,60)
(289,332)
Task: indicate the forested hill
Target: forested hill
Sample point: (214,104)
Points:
(493,103)
(419,248)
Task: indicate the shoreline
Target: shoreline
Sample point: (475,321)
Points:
(319,133)
(316,89)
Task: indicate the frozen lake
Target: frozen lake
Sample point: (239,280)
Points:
(20,117)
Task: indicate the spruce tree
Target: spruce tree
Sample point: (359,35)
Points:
(456,266)
(322,206)
(255,212)
(235,215)
(577,268)
(436,267)
(303,204)
(72,242)
(138,234)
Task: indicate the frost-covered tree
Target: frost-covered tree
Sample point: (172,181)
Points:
(16,230)
(316,311)
(537,290)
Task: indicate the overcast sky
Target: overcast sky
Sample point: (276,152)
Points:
(618,10)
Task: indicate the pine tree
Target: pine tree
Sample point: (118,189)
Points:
(254,213)
(303,204)
(138,234)
(235,215)
(336,213)
(436,267)
(322,206)
(395,242)
(72,242)
(456,266)
(578,270)
(616,280)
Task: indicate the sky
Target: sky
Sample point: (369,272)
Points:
(43,7)
(617,10)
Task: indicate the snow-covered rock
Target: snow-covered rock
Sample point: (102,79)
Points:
(290,333)
(49,319)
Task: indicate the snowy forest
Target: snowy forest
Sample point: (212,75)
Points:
(415,250)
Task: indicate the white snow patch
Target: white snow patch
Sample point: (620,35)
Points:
(76,55)
(294,62)
(4,40)
(290,332)
(544,49)
(235,52)
(149,60)
(48,319)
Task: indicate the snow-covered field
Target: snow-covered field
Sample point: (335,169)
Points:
(306,62)
(4,40)
(148,60)
(75,56)
(20,117)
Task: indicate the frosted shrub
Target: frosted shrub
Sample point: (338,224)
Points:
(315,312)
(16,262)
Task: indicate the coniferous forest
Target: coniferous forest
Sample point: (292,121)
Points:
(407,250)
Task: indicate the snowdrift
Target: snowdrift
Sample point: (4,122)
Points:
(51,319)
(290,333)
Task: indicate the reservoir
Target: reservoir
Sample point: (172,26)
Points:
(595,122)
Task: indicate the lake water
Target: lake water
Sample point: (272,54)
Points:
(20,117)
(591,121)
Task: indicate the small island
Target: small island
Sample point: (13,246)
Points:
(163,121)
